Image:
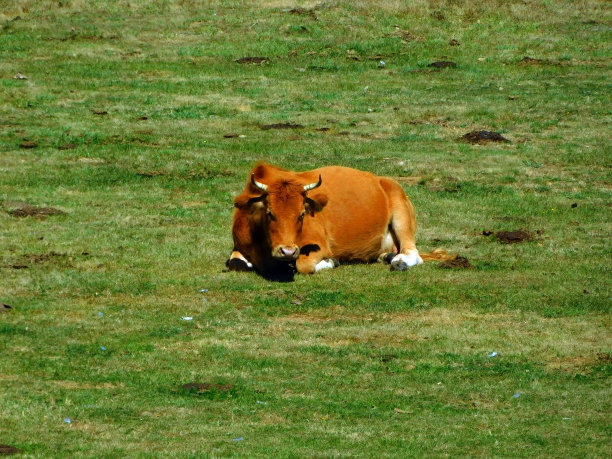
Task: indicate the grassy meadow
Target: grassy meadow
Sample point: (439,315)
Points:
(128,127)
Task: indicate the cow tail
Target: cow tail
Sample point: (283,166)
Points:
(437,254)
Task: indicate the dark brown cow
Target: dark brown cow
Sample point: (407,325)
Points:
(316,218)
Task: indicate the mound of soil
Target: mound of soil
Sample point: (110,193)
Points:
(442,65)
(513,237)
(252,60)
(28,259)
(150,173)
(33,211)
(458,262)
(482,137)
(28,144)
(201,388)
(266,127)
(7,450)
(303,12)
(530,61)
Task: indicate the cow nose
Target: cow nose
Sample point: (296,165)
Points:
(288,251)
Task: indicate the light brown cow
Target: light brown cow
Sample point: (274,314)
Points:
(318,218)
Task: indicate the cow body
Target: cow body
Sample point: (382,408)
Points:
(318,217)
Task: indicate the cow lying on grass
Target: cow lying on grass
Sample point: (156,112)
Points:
(312,220)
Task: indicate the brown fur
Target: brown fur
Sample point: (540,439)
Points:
(346,218)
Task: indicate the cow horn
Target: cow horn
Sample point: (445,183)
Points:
(257,184)
(314,185)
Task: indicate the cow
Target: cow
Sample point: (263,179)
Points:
(316,219)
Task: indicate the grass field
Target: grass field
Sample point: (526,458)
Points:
(134,125)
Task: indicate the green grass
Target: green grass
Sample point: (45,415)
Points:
(358,361)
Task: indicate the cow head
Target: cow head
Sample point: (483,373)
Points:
(279,207)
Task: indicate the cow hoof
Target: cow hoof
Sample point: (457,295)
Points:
(238,264)
(386,258)
(402,261)
(328,263)
(399,266)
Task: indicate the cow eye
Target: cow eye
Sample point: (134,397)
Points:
(270,214)
(301,217)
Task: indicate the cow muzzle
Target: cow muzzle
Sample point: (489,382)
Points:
(286,252)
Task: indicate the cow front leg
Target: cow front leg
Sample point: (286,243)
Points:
(237,262)
(313,259)
(311,264)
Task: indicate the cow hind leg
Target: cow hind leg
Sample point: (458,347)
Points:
(402,228)
(237,262)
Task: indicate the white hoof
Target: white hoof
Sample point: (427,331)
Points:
(403,261)
(325,264)
(239,263)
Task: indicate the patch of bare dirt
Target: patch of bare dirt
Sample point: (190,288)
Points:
(454,42)
(33,211)
(482,137)
(303,12)
(445,184)
(443,65)
(28,144)
(439,15)
(267,127)
(7,450)
(449,261)
(202,388)
(530,61)
(604,357)
(513,237)
(151,173)
(99,112)
(258,60)
(405,35)
(572,364)
(5,308)
(28,259)
(457,262)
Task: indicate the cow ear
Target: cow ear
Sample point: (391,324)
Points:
(315,203)
(246,200)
